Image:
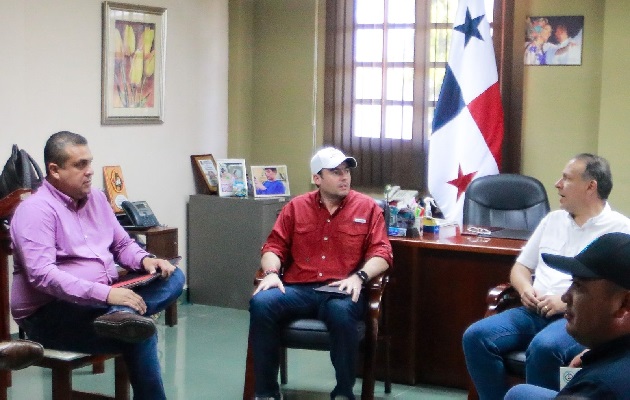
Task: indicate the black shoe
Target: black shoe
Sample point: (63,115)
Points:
(18,354)
(126,326)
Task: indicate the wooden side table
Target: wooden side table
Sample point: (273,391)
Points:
(161,241)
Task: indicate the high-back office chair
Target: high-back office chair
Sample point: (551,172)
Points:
(505,201)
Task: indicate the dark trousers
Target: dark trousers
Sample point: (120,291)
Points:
(65,326)
(271,309)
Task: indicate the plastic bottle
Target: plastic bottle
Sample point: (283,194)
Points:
(428,223)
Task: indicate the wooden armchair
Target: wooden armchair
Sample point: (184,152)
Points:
(312,334)
(8,204)
(500,298)
(61,363)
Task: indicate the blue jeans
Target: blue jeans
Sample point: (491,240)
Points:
(270,309)
(530,392)
(548,345)
(65,326)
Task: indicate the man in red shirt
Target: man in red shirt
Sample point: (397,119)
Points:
(332,235)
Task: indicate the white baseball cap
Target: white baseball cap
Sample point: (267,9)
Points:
(329,157)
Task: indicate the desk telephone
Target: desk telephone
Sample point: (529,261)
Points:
(398,194)
(137,214)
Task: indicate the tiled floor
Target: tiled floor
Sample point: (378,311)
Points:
(203,357)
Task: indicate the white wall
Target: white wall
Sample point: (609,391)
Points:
(50,80)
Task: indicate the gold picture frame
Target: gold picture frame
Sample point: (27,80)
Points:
(133,60)
(206,173)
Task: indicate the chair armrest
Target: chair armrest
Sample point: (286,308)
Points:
(9,203)
(501,298)
(374,287)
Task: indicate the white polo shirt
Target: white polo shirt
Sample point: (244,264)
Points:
(558,234)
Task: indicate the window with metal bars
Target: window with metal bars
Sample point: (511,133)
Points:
(385,62)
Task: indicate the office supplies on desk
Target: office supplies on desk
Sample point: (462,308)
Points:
(492,232)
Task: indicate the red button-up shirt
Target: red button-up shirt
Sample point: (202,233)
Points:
(315,246)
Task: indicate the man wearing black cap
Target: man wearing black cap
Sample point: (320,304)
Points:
(598,316)
(332,235)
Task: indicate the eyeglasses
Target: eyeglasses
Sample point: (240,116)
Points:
(478,231)
(339,171)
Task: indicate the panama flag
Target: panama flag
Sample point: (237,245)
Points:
(468,121)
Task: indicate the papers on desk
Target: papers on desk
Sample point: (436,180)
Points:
(503,233)
(445,222)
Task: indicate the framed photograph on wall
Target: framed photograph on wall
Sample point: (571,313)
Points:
(206,173)
(553,40)
(270,181)
(232,177)
(132,82)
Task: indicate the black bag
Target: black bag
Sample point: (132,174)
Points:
(20,171)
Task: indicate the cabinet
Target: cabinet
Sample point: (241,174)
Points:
(161,241)
(224,239)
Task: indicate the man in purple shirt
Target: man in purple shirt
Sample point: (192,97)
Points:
(67,243)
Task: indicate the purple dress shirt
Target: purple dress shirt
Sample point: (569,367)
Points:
(68,251)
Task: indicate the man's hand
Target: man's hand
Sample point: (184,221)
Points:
(268,282)
(153,264)
(127,297)
(551,305)
(529,299)
(259,185)
(351,285)
(577,360)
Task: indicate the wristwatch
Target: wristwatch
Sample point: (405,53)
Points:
(363,275)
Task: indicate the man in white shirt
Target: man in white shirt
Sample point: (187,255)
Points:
(538,325)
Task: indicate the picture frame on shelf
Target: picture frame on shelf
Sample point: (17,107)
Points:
(115,188)
(206,173)
(133,60)
(232,177)
(270,181)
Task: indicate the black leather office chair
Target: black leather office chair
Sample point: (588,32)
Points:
(312,334)
(505,201)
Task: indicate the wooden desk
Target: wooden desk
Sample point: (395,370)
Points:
(437,289)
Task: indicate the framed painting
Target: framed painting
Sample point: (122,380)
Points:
(553,40)
(206,175)
(270,181)
(132,82)
(232,177)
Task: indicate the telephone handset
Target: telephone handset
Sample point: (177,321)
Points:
(139,214)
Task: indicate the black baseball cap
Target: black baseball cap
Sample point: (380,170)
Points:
(607,257)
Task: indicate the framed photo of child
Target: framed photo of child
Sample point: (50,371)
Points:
(232,177)
(270,181)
